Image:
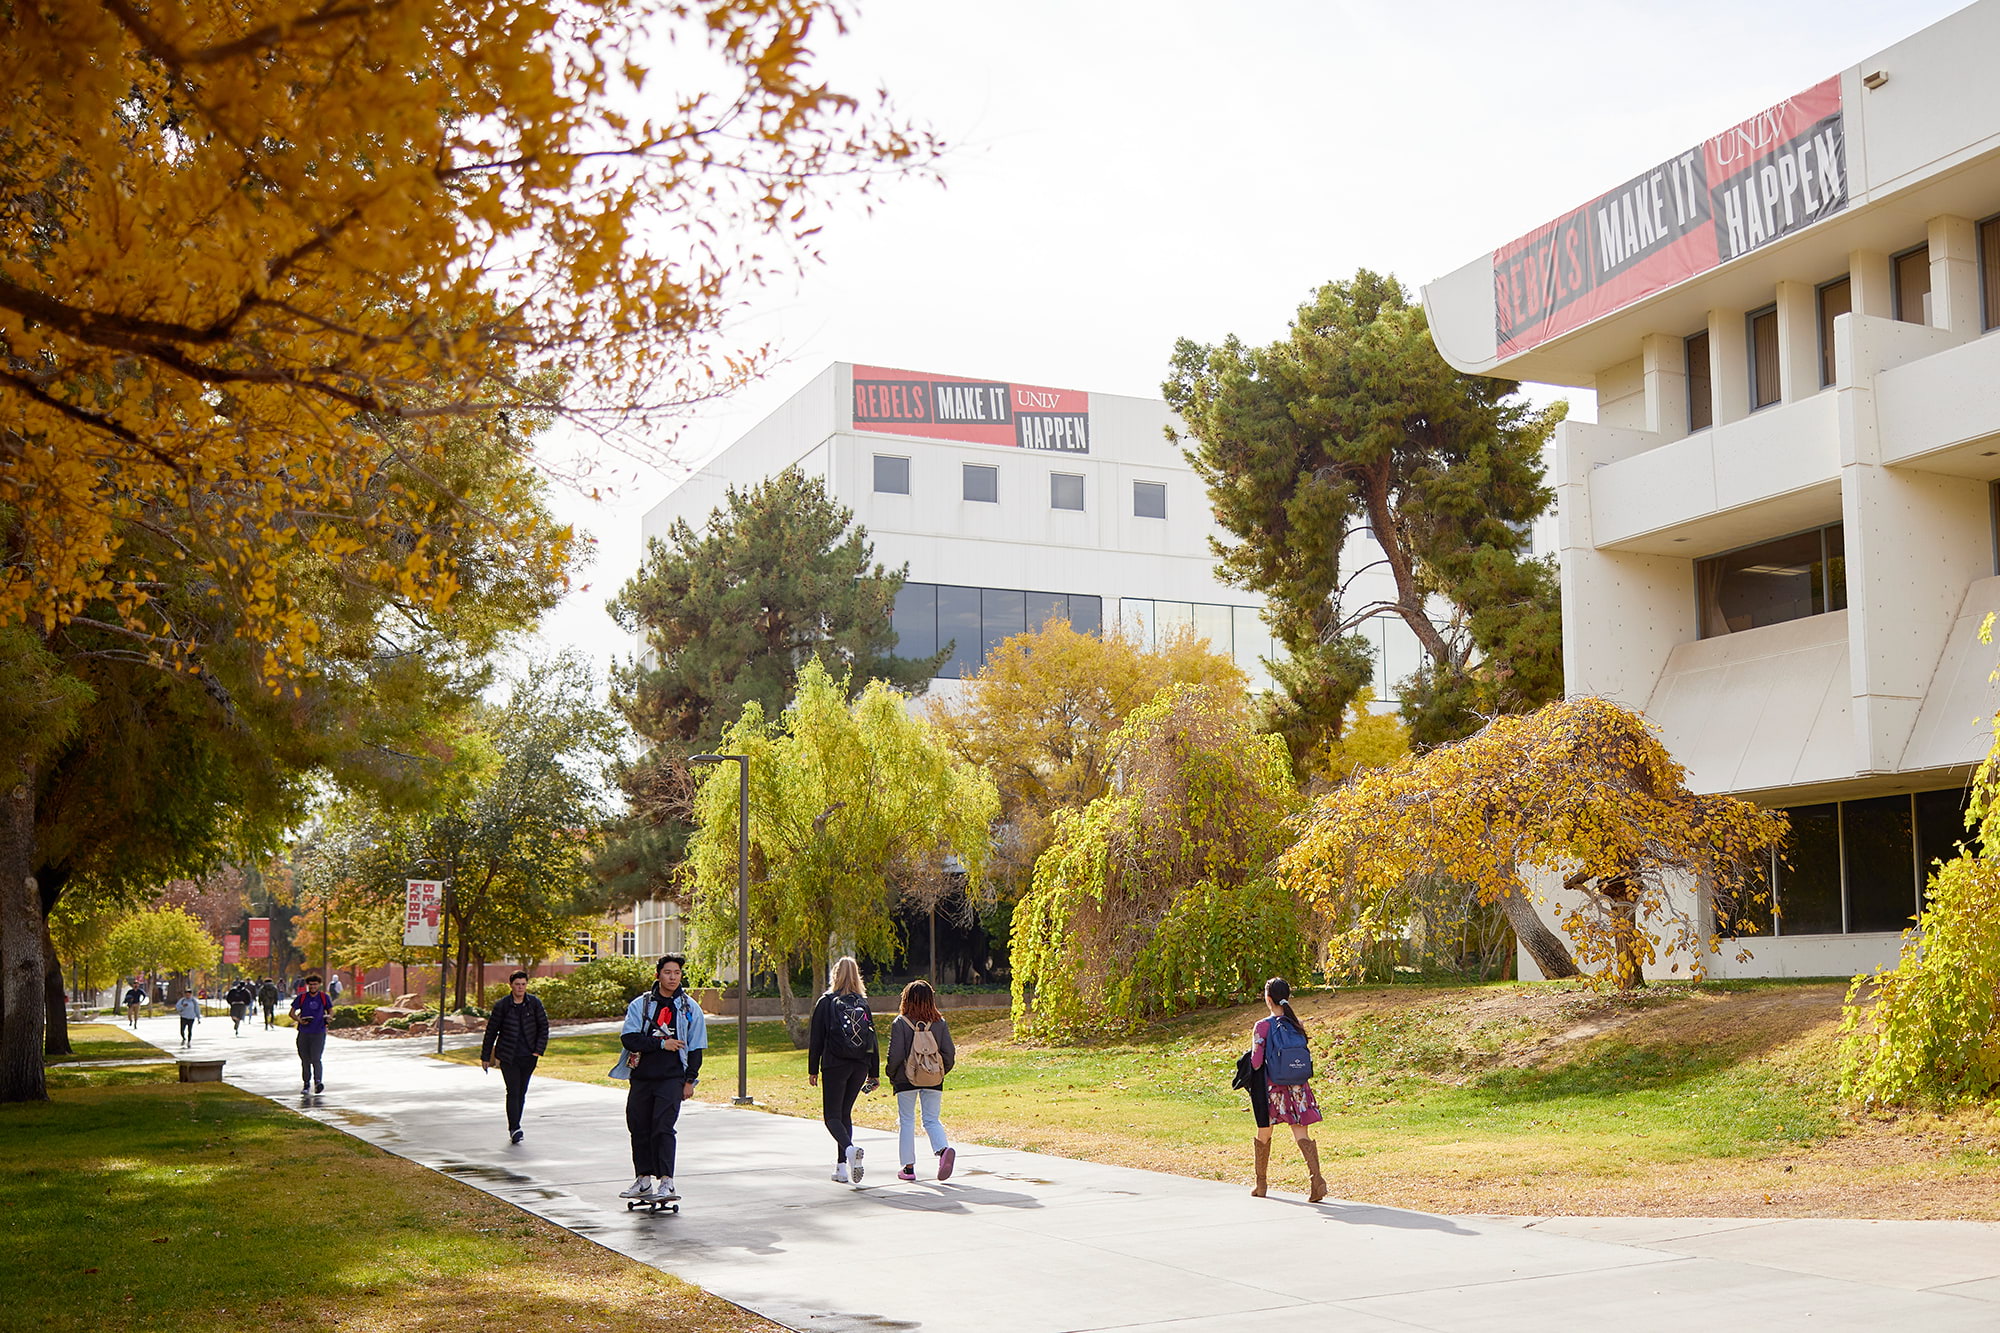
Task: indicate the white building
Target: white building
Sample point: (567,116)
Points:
(1779,538)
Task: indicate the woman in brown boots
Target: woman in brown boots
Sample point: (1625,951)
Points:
(1281,1085)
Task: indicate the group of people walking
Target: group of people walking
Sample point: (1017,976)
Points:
(241,997)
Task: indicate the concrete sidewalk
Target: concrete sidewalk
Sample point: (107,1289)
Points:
(1020,1241)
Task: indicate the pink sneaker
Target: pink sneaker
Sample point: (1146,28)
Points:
(945,1160)
(908,1174)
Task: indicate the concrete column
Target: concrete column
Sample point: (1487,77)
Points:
(1873,290)
(1798,341)
(1665,362)
(1954,244)
(1729,364)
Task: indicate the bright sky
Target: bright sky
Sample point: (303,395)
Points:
(1127,172)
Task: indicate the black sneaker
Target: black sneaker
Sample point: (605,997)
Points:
(516,1136)
(319,1087)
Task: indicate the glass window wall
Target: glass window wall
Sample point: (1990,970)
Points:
(1790,578)
(1858,867)
(975,621)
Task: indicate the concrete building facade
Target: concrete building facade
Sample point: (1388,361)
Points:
(1779,540)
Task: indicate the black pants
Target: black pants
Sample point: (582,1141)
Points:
(312,1045)
(839,1084)
(516,1073)
(270,1015)
(652,1105)
(187,1031)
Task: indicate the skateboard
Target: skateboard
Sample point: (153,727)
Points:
(653,1205)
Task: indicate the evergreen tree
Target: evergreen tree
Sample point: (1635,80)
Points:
(729,616)
(1354,424)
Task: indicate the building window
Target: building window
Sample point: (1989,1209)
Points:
(628,943)
(982,483)
(975,621)
(892,475)
(1862,867)
(1763,357)
(1910,285)
(1149,499)
(1836,298)
(1065,490)
(585,948)
(1701,385)
(1791,578)
(1989,272)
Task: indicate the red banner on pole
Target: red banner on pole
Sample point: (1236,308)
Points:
(260,937)
(232,949)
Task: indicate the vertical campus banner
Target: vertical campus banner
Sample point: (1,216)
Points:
(423,903)
(232,949)
(260,937)
(1774,174)
(948,407)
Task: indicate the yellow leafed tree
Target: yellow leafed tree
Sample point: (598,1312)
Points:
(1583,788)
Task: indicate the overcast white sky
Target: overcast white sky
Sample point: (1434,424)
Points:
(1126,172)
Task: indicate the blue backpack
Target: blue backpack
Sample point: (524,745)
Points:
(1288,1058)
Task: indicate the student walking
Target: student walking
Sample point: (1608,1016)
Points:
(664,1036)
(920,1055)
(135,995)
(309,1010)
(517,1034)
(189,1008)
(1281,1085)
(842,1048)
(238,997)
(267,996)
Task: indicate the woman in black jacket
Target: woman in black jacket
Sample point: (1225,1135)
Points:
(517,1032)
(843,1048)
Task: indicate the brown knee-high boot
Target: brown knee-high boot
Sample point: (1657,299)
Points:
(1311,1151)
(1263,1150)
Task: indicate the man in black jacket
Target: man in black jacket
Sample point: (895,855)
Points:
(517,1032)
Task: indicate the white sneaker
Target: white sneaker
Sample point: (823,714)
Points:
(854,1155)
(664,1191)
(641,1187)
(840,1174)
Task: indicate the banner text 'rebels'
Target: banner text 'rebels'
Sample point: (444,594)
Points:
(948,407)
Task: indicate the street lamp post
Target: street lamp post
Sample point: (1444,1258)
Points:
(742,917)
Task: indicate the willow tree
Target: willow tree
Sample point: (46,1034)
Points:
(850,805)
(1158,894)
(1583,789)
(356,226)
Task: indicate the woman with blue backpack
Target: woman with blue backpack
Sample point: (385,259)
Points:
(1281,1085)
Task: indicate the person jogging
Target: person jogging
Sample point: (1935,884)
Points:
(238,997)
(309,1010)
(664,1036)
(920,1055)
(267,996)
(1281,1086)
(135,995)
(517,1034)
(842,1046)
(189,1008)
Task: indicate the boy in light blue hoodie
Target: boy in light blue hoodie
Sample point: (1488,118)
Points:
(189,1009)
(664,1036)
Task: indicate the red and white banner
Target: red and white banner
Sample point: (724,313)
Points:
(949,407)
(232,949)
(1774,174)
(423,903)
(260,937)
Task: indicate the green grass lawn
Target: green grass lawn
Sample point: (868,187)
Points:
(104,1041)
(132,1202)
(1510,1098)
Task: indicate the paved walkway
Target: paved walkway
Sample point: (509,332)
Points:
(1021,1242)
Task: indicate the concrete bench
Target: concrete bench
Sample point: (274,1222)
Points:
(201,1071)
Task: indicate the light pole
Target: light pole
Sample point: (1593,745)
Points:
(742,917)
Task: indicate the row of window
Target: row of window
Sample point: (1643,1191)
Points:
(980,483)
(1790,578)
(1860,867)
(1909,298)
(975,621)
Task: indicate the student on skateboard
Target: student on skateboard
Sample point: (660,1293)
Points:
(309,1010)
(842,1047)
(517,1035)
(664,1036)
(1281,1062)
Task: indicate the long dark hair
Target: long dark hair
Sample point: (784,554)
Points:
(1279,992)
(920,1002)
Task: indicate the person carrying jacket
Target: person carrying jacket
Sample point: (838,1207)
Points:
(135,996)
(919,1012)
(517,1035)
(842,1044)
(664,1036)
(1288,1104)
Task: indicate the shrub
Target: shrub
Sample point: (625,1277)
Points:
(1928,1039)
(600,988)
(352,1015)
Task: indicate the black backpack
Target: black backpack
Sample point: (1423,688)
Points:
(853,1026)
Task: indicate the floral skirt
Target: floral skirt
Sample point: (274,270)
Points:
(1293,1104)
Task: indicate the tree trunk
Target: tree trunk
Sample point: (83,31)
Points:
(1551,955)
(55,1021)
(21,972)
(794,1027)
(1621,901)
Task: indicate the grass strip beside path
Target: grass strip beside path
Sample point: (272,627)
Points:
(1538,1099)
(104,1041)
(135,1202)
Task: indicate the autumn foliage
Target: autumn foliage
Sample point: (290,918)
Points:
(1581,788)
